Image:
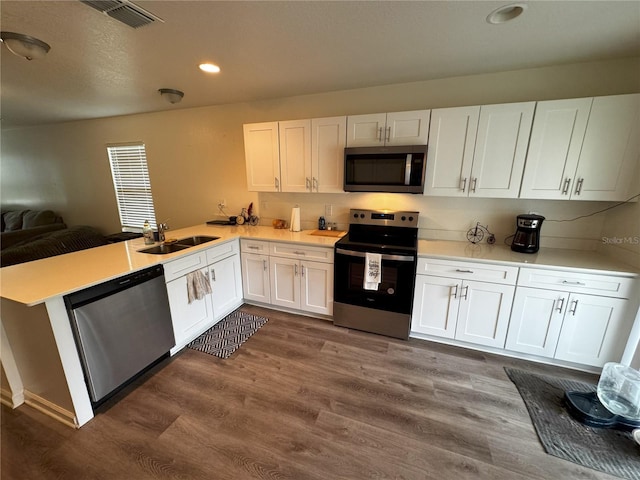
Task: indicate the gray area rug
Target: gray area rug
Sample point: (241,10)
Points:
(226,336)
(607,450)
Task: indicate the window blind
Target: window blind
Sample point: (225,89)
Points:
(132,186)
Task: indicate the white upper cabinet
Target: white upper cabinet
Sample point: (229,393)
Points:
(328,139)
(554,148)
(584,149)
(478,151)
(500,151)
(262,156)
(452,138)
(608,162)
(295,155)
(397,128)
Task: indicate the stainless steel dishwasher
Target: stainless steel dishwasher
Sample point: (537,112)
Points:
(121,327)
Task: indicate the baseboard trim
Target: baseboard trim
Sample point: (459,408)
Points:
(11,400)
(50,409)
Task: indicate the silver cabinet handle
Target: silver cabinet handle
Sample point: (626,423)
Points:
(455,292)
(388,134)
(565,188)
(579,186)
(253,247)
(380,134)
(575,307)
(307,183)
(213,274)
(264,265)
(567,282)
(561,302)
(299,253)
(302,270)
(473,188)
(314,184)
(463,271)
(295,270)
(466,292)
(277,184)
(464,183)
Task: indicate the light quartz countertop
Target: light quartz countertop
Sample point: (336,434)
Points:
(34,282)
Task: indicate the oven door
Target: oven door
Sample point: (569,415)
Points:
(395,292)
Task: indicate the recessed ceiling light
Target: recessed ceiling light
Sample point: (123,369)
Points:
(209,67)
(506,13)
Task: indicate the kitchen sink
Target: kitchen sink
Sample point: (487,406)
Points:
(181,244)
(165,248)
(196,240)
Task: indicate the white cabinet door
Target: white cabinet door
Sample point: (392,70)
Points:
(295,155)
(255,277)
(554,148)
(189,319)
(501,147)
(608,167)
(316,287)
(435,306)
(595,330)
(452,138)
(366,130)
(407,128)
(536,319)
(285,282)
(328,139)
(484,313)
(226,285)
(262,156)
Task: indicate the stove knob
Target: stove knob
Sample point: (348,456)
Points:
(411,219)
(362,215)
(403,218)
(355,215)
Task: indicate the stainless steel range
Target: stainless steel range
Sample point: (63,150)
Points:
(375,271)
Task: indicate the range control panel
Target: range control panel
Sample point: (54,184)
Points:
(387,218)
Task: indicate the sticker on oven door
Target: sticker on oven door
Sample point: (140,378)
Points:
(390,291)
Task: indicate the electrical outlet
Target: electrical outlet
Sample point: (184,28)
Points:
(328,210)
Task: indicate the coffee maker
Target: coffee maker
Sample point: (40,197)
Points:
(527,236)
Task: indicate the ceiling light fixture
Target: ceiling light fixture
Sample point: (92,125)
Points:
(24,46)
(506,13)
(209,68)
(171,95)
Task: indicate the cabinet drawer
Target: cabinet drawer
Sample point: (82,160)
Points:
(182,266)
(221,251)
(468,270)
(292,250)
(254,246)
(606,285)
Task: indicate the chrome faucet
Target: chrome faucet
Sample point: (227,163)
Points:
(162,227)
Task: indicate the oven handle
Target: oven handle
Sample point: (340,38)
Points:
(397,258)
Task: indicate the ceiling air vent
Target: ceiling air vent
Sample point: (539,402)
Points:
(123,11)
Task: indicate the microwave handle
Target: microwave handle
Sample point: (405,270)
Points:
(407,170)
(397,258)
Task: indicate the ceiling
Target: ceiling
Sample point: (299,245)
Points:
(100,67)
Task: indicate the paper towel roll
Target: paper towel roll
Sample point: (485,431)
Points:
(294,225)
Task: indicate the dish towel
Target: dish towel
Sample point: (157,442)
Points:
(197,285)
(372,271)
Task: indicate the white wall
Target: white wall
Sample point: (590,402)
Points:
(196,158)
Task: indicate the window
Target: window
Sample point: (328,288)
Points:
(132,186)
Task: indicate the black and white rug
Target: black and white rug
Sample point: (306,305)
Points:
(226,336)
(607,450)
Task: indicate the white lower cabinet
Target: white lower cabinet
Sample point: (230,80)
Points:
(288,275)
(571,324)
(221,265)
(474,311)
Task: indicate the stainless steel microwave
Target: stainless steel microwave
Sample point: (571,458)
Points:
(397,169)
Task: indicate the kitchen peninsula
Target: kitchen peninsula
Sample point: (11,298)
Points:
(39,354)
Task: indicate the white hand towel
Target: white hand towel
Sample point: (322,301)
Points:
(197,285)
(372,271)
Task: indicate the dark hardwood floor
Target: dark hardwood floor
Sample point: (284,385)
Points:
(301,399)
